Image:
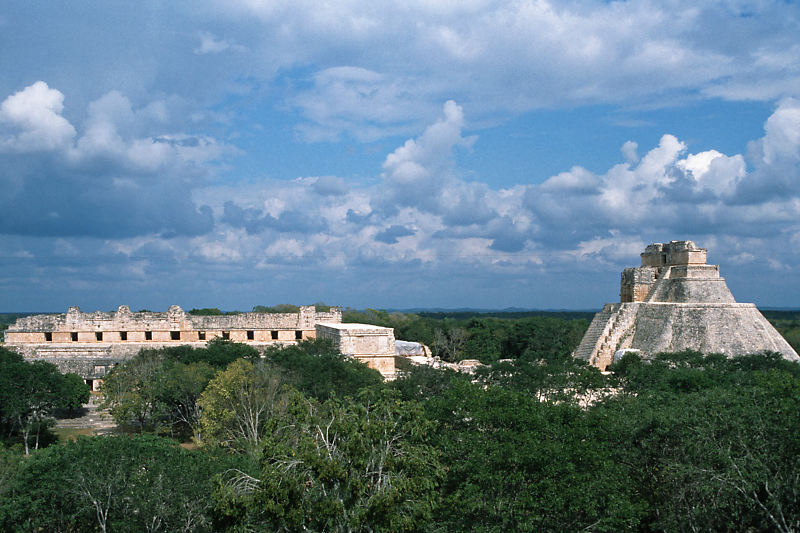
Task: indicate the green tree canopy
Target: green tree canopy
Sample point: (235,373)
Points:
(119,484)
(29,393)
(239,402)
(318,369)
(343,465)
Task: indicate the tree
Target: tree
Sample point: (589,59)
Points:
(537,338)
(449,343)
(124,484)
(280,308)
(217,353)
(238,403)
(206,311)
(343,465)
(181,387)
(517,464)
(75,392)
(318,369)
(132,391)
(481,343)
(29,392)
(158,389)
(709,440)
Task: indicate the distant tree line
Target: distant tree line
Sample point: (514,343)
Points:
(483,336)
(788,324)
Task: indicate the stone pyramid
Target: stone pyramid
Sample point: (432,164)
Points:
(673,302)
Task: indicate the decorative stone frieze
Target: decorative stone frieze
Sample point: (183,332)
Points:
(89,344)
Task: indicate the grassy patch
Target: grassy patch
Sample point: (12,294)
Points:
(65,434)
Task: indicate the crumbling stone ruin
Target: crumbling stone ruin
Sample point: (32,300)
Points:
(89,344)
(373,345)
(674,302)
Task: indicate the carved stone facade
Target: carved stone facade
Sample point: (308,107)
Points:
(675,301)
(89,344)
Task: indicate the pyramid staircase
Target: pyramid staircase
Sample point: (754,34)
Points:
(620,327)
(607,330)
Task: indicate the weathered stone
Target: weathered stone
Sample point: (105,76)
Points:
(409,349)
(374,345)
(89,344)
(674,302)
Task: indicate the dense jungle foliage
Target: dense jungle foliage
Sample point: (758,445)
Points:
(221,439)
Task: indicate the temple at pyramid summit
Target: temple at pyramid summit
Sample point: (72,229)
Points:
(673,302)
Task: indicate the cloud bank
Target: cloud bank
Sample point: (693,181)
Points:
(303,150)
(152,198)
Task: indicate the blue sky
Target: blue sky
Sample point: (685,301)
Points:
(462,153)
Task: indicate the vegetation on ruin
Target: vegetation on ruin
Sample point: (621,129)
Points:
(211,311)
(289,308)
(306,439)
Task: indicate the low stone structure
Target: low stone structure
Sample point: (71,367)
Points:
(89,344)
(675,301)
(373,345)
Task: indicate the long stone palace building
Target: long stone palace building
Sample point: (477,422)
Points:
(90,344)
(675,301)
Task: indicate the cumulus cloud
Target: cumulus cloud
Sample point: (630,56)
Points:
(424,212)
(416,173)
(256,221)
(105,179)
(530,55)
(339,66)
(149,194)
(360,102)
(330,186)
(31,120)
(392,233)
(775,158)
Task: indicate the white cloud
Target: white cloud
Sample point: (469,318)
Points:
(714,171)
(117,176)
(505,56)
(782,139)
(421,216)
(209,44)
(34,121)
(417,172)
(629,151)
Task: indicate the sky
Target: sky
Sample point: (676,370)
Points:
(417,154)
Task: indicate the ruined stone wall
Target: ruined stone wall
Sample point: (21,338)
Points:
(373,345)
(728,328)
(173,326)
(673,253)
(635,283)
(89,344)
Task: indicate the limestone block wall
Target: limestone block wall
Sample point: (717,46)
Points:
(673,253)
(173,326)
(90,343)
(374,345)
(728,328)
(635,283)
